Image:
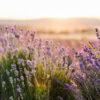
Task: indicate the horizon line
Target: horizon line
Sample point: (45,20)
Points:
(46,18)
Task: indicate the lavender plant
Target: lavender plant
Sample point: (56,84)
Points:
(36,69)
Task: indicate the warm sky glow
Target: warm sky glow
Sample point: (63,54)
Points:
(26,9)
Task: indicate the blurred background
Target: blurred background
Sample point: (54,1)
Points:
(66,21)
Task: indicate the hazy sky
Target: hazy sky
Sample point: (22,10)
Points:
(23,9)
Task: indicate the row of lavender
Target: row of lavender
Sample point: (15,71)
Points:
(36,69)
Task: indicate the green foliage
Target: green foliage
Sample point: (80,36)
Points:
(58,88)
(36,86)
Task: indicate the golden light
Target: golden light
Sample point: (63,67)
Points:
(28,9)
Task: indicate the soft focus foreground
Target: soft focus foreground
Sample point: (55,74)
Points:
(36,69)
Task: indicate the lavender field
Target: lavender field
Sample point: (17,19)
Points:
(34,68)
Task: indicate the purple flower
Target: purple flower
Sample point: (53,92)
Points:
(90,61)
(67,86)
(12,30)
(97,64)
(56,80)
(73,86)
(7,72)
(20,61)
(47,42)
(77,97)
(16,72)
(11,80)
(21,30)
(18,89)
(17,36)
(97,33)
(15,26)
(98,81)
(13,65)
(27,32)
(96,30)
(85,49)
(29,62)
(82,78)
(22,78)
(81,66)
(26,71)
(48,48)
(33,71)
(39,46)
